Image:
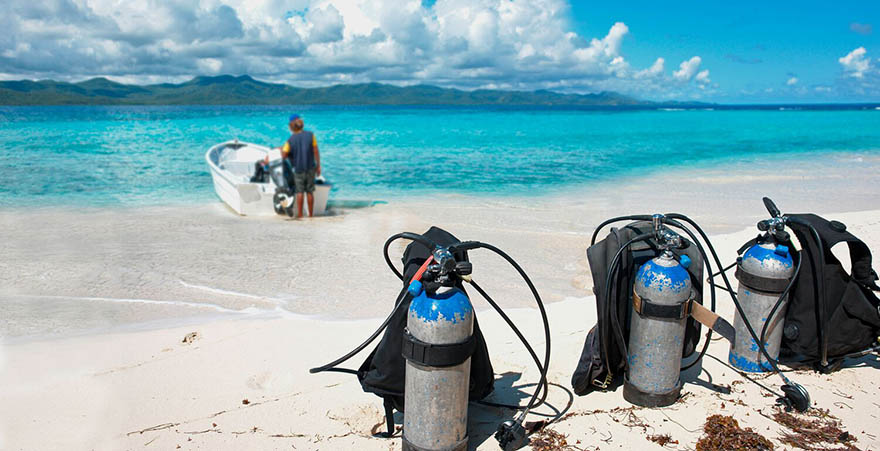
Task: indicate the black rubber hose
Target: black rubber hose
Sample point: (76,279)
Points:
(612,269)
(617,219)
(528,281)
(732,295)
(542,385)
(330,366)
(408,235)
(781,299)
(712,304)
(525,343)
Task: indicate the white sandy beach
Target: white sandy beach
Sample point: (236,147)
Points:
(97,303)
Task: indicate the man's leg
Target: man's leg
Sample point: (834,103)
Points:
(310,190)
(299,179)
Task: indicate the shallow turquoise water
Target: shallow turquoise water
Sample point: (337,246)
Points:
(155,155)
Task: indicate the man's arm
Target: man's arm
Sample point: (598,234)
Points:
(317,155)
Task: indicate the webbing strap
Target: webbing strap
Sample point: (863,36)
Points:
(760,283)
(437,355)
(646,307)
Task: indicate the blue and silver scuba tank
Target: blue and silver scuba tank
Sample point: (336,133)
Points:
(763,271)
(437,345)
(661,295)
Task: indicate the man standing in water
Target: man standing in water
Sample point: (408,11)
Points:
(301,152)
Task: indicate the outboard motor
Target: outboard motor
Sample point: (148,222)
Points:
(764,271)
(283,199)
(661,298)
(437,345)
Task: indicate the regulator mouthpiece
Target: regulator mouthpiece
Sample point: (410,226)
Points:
(511,435)
(796,397)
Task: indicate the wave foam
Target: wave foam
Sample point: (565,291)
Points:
(276,301)
(198,305)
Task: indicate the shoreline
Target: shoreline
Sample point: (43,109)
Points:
(204,257)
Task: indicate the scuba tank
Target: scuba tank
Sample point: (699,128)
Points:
(437,344)
(661,294)
(766,276)
(440,349)
(764,271)
(652,357)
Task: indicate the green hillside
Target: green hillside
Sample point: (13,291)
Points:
(244,90)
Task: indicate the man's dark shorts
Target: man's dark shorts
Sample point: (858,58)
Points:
(304,182)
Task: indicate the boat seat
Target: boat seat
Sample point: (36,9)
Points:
(239,168)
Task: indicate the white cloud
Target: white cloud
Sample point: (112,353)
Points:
(508,44)
(687,69)
(855,64)
(210,65)
(703,77)
(655,70)
(792,81)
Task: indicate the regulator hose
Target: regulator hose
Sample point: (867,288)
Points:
(525,342)
(543,381)
(797,271)
(612,270)
(794,393)
(542,386)
(331,367)
(703,255)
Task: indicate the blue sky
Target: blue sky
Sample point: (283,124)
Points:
(749,46)
(738,52)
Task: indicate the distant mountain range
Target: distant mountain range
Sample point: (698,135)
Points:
(244,90)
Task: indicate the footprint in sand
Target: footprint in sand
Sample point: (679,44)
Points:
(363,419)
(260,381)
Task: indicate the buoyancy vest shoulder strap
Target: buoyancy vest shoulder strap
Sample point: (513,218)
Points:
(834,232)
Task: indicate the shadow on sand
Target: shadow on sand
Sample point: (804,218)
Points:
(483,419)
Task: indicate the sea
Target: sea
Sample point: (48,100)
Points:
(120,158)
(110,156)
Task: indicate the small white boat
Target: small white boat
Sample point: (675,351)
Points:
(232,165)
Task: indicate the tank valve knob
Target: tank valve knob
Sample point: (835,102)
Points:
(685,261)
(511,435)
(415,288)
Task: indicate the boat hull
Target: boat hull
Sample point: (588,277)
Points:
(232,163)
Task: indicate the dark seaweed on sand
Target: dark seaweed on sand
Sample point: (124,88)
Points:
(821,433)
(549,440)
(722,433)
(662,440)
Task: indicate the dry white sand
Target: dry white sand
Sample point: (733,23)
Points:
(69,272)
